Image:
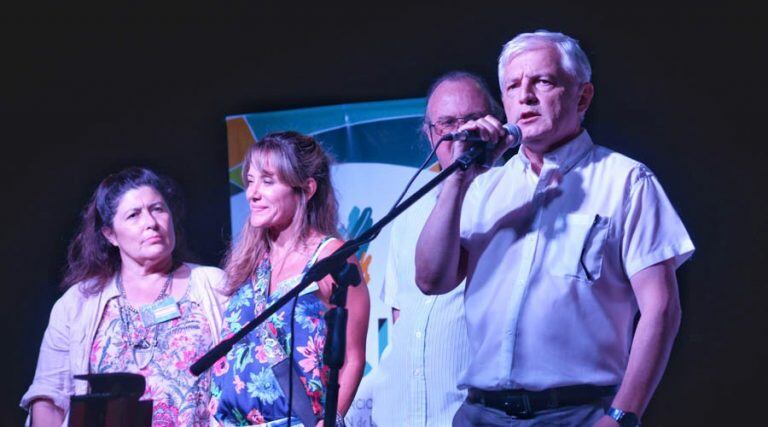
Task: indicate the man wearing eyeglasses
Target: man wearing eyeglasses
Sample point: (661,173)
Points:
(415,383)
(561,248)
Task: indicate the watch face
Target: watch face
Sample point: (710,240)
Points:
(625,419)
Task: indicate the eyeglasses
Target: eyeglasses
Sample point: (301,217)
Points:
(450,124)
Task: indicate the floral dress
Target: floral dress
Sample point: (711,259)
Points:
(179,398)
(245,390)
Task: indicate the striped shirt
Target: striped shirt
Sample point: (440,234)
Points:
(415,381)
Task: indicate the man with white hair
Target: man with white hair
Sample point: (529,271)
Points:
(561,248)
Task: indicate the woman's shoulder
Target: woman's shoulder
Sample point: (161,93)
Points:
(74,298)
(85,290)
(328,245)
(206,275)
(324,247)
(206,270)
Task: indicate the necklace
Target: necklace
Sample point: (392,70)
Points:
(142,347)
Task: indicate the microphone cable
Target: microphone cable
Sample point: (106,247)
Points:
(418,171)
(291,345)
(410,182)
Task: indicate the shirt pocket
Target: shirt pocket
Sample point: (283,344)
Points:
(577,249)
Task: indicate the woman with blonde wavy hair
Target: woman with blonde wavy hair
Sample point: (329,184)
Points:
(292,224)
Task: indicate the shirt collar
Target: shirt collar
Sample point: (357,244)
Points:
(110,289)
(565,157)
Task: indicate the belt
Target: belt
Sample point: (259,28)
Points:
(524,403)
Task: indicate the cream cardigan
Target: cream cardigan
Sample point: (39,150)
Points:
(67,341)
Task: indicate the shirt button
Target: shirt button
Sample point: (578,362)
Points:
(418,334)
(428,301)
(416,372)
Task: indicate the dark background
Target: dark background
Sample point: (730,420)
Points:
(86,91)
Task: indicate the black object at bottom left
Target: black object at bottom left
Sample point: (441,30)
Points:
(113,401)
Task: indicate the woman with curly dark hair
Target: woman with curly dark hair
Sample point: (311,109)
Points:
(132,304)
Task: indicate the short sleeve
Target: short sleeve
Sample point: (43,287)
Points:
(53,379)
(468,210)
(652,230)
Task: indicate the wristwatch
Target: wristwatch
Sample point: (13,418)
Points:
(340,420)
(625,419)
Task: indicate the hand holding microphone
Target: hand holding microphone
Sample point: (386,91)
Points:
(509,130)
(489,131)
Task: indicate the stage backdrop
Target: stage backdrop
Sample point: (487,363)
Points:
(377,148)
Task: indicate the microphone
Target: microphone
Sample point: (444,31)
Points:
(474,135)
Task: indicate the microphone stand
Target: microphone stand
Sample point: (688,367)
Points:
(336,338)
(336,264)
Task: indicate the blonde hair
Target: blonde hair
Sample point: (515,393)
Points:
(295,158)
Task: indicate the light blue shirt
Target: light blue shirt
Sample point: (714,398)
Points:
(415,383)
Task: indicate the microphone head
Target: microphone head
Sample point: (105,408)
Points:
(516,133)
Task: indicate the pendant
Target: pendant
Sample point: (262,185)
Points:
(142,355)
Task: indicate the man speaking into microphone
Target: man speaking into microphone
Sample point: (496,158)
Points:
(560,248)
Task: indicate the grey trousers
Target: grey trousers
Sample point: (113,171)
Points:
(475,414)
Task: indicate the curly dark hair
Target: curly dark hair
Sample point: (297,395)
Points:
(91,260)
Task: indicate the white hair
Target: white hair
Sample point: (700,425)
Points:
(573,60)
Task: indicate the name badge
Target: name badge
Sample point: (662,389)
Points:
(159,311)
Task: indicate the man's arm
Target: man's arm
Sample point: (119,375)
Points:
(657,297)
(438,251)
(440,260)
